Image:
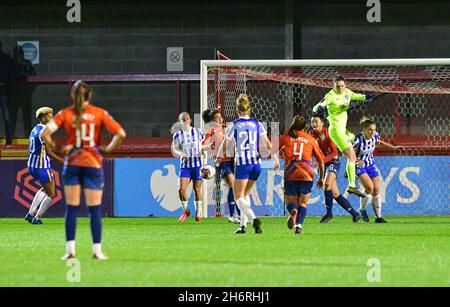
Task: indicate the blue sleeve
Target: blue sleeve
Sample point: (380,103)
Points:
(176,139)
(356,141)
(40,135)
(377,138)
(200,133)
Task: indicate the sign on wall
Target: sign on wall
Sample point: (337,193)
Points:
(174,58)
(18,187)
(30,50)
(409,186)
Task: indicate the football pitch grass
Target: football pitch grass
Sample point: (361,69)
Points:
(408,251)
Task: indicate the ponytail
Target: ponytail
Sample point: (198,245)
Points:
(82,92)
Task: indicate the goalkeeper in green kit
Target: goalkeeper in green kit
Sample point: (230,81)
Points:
(337,102)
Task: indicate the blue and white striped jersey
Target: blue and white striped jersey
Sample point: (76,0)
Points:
(37,157)
(190,142)
(246,133)
(364,148)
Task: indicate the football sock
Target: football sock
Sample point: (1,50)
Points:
(184,204)
(38,197)
(301,215)
(231,202)
(376,205)
(71,222)
(247,199)
(198,208)
(345,204)
(95,215)
(97,248)
(364,201)
(245,208)
(243,217)
(329,202)
(70,247)
(45,204)
(291,207)
(351,173)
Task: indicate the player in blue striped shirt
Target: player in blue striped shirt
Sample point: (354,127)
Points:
(245,137)
(368,174)
(39,167)
(187,144)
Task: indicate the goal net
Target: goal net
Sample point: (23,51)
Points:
(413,111)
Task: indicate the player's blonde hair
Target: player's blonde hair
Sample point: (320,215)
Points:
(366,122)
(243,106)
(182,114)
(42,111)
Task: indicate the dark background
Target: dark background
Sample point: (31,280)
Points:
(132,37)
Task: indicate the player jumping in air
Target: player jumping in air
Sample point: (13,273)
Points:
(215,136)
(337,102)
(244,137)
(332,165)
(187,144)
(39,167)
(83,164)
(368,174)
(299,148)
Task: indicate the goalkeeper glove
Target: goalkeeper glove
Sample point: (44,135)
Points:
(369,97)
(321,110)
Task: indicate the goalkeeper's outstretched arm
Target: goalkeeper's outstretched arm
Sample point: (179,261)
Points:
(356,96)
(320,106)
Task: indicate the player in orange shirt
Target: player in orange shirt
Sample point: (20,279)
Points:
(299,148)
(332,166)
(83,164)
(214,137)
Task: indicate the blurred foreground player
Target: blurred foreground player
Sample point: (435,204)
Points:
(83,164)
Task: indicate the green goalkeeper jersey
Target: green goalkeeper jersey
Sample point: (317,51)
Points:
(337,105)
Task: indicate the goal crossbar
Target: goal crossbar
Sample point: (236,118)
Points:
(327,62)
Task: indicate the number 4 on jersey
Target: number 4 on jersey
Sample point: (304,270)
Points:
(298,153)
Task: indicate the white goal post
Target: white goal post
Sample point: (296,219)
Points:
(296,85)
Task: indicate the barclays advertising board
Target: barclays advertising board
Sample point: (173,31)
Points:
(409,186)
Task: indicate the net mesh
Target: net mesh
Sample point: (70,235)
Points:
(413,112)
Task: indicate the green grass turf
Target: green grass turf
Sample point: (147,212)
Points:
(164,252)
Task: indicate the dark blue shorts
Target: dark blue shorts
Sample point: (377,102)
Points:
(370,170)
(88,177)
(192,173)
(225,168)
(296,188)
(43,175)
(333,167)
(249,171)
